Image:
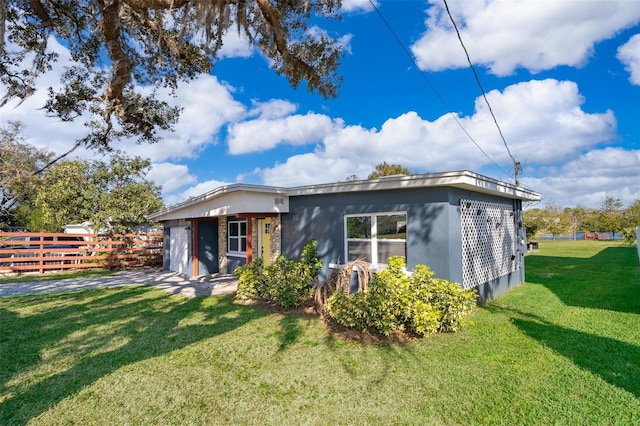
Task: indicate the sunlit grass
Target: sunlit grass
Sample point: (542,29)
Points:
(561,349)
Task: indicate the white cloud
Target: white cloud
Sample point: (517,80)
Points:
(235,45)
(611,162)
(357,5)
(541,120)
(629,55)
(308,169)
(261,135)
(193,191)
(207,105)
(344,42)
(504,35)
(588,179)
(170,176)
(39,130)
(274,108)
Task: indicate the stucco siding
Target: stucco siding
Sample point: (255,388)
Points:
(433,228)
(321,217)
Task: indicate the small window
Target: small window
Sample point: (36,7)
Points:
(267,228)
(237,239)
(376,237)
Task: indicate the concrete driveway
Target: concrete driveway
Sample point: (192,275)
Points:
(171,282)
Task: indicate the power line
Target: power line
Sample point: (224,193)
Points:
(438,95)
(516,164)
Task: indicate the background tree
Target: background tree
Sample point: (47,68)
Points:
(575,217)
(113,196)
(533,221)
(610,215)
(631,221)
(124,49)
(19,177)
(556,222)
(589,219)
(385,169)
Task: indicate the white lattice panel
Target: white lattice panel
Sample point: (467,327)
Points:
(488,241)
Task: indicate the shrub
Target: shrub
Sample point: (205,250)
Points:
(287,282)
(395,301)
(452,303)
(251,280)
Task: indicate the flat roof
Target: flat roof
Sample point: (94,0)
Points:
(459,179)
(463,179)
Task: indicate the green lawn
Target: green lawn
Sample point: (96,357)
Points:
(562,349)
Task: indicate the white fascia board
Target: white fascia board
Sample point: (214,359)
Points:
(245,198)
(461,179)
(229,200)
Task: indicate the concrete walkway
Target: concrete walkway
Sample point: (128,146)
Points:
(171,282)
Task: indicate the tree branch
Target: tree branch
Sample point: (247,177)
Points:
(4,4)
(139,5)
(272,17)
(41,12)
(121,75)
(58,158)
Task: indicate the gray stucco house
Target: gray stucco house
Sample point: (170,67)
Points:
(465,226)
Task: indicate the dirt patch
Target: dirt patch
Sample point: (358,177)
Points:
(308,308)
(371,337)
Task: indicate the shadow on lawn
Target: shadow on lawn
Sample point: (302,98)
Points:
(98,332)
(609,280)
(614,361)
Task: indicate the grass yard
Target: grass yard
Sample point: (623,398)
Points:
(562,349)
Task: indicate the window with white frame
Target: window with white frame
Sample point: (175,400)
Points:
(237,236)
(376,237)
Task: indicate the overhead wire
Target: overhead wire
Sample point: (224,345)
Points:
(435,91)
(484,95)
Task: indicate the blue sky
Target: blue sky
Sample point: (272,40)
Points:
(562,77)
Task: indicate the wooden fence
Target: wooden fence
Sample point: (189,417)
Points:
(40,252)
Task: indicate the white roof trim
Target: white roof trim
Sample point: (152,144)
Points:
(218,193)
(459,179)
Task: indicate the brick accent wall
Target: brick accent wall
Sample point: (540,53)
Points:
(222,244)
(276,238)
(254,237)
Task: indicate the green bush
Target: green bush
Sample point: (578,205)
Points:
(287,282)
(251,280)
(453,304)
(629,235)
(418,303)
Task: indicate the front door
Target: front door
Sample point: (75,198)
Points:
(264,240)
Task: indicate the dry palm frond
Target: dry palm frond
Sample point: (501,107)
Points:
(341,280)
(323,291)
(361,267)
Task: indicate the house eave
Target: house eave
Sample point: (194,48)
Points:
(460,179)
(218,203)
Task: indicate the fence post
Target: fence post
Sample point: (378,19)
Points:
(41,254)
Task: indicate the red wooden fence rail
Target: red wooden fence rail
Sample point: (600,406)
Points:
(31,252)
